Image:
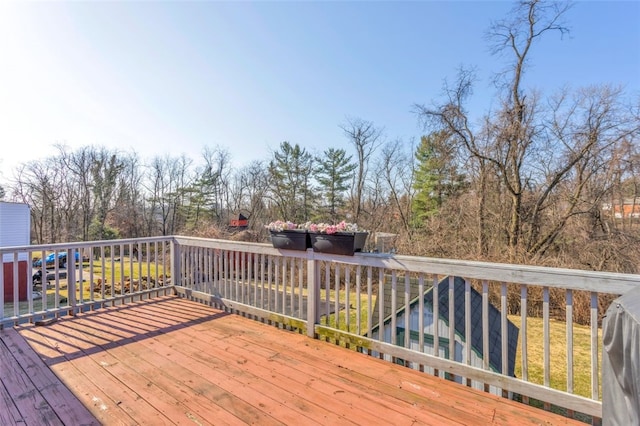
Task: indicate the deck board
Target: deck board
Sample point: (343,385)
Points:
(199,368)
(9,414)
(38,396)
(173,361)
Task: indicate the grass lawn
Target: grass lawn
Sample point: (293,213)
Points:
(117,272)
(139,269)
(342,315)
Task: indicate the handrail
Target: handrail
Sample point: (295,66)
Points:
(574,279)
(330,301)
(128,276)
(80,244)
(370,302)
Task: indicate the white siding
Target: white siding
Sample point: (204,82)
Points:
(15,227)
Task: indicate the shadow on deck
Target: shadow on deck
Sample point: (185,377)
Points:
(170,360)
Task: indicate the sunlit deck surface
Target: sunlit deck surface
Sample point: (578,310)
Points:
(174,361)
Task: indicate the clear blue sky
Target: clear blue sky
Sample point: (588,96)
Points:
(173,77)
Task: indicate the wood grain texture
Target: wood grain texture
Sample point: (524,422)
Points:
(173,361)
(31,394)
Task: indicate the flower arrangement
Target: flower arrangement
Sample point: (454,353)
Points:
(325,228)
(280,225)
(343,238)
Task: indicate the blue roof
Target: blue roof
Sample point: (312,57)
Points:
(495,329)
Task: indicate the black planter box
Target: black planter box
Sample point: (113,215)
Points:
(344,243)
(293,239)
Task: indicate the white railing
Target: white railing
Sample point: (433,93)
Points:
(247,278)
(359,301)
(378,304)
(41,282)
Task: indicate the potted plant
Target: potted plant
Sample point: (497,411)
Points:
(288,236)
(343,238)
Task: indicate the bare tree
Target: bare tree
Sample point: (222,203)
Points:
(79,165)
(509,137)
(129,201)
(105,170)
(39,183)
(397,169)
(364,136)
(213,181)
(166,178)
(585,131)
(249,191)
(540,162)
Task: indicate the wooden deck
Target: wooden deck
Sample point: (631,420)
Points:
(172,361)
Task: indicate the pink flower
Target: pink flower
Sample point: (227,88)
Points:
(325,228)
(279,226)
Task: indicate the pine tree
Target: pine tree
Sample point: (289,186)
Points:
(437,176)
(291,184)
(333,172)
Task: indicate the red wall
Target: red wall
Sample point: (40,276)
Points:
(22,281)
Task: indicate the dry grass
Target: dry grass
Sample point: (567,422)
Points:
(558,355)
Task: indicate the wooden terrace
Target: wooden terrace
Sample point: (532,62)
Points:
(169,360)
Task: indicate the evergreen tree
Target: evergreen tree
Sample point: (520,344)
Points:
(291,188)
(333,172)
(436,177)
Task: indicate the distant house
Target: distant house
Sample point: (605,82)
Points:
(477,350)
(624,209)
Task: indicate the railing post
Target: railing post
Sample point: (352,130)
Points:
(313,294)
(16,283)
(175,263)
(71,281)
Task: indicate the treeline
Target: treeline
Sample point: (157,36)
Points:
(535,180)
(96,192)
